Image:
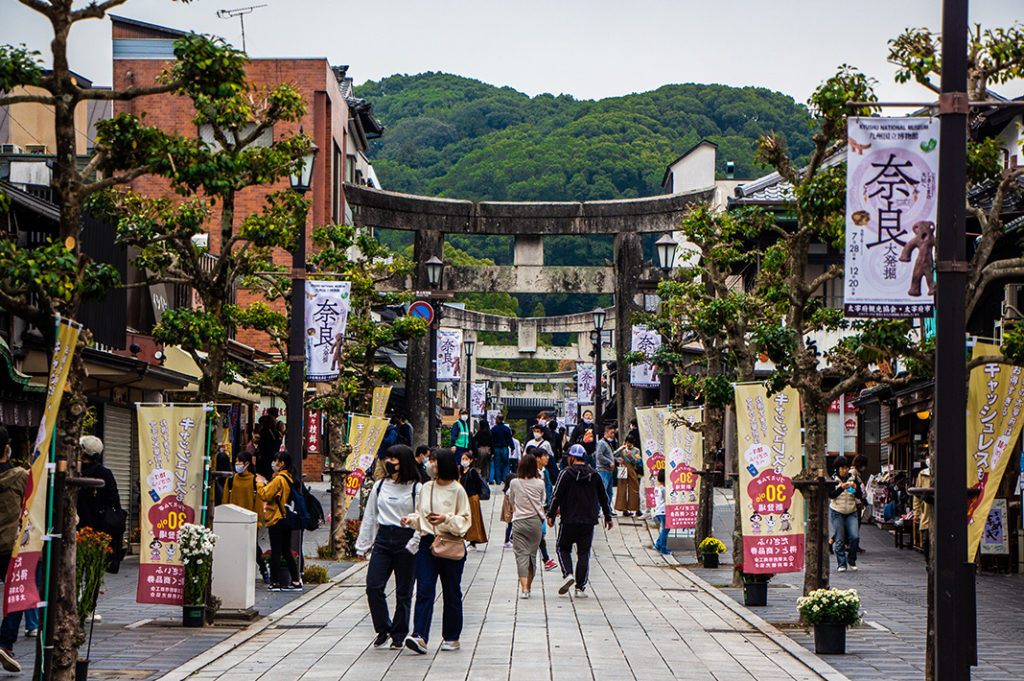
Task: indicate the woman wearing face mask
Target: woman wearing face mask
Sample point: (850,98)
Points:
(474,486)
(394,546)
(240,490)
(461,436)
(276,493)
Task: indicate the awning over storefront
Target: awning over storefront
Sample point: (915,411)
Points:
(180,361)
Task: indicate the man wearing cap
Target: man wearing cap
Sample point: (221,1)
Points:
(578,491)
(100,507)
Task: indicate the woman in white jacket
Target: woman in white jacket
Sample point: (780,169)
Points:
(394,545)
(442,515)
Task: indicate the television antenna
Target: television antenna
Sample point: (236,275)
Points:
(240,13)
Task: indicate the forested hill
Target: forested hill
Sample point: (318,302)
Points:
(457,137)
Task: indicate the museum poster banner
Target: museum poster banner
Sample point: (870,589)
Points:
(995,414)
(381,395)
(492,417)
(768,437)
(569,411)
(684,454)
(586,380)
(652,447)
(644,375)
(365,433)
(478,399)
(449,354)
(21,592)
(891,204)
(327,305)
(172,471)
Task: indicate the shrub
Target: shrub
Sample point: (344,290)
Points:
(90,562)
(315,574)
(323,551)
(836,606)
(711,545)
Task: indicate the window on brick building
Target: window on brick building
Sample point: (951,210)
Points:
(264,140)
(336,181)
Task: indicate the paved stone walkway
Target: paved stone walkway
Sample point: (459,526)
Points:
(646,618)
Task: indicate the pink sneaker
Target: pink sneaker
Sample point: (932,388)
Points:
(550,565)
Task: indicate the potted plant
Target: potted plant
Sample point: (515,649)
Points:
(709,550)
(197,555)
(93,551)
(755,587)
(830,611)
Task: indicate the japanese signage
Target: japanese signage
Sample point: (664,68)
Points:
(891,197)
(20,589)
(768,437)
(365,434)
(492,417)
(327,304)
(995,539)
(586,380)
(652,446)
(477,399)
(172,468)
(646,341)
(569,410)
(995,414)
(313,427)
(381,395)
(449,354)
(684,454)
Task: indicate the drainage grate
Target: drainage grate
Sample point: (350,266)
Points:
(121,674)
(298,626)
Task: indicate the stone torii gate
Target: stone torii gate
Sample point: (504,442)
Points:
(528,222)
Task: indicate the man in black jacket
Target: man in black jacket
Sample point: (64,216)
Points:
(100,507)
(577,494)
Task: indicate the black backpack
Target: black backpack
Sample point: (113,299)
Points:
(296,513)
(314,508)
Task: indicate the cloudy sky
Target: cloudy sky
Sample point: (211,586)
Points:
(589,49)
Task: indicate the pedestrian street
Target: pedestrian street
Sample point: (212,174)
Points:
(645,618)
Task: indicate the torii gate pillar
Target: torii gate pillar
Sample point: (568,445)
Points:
(418,360)
(628,270)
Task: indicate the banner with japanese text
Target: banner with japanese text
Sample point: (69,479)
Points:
(327,305)
(381,395)
(492,417)
(995,540)
(21,592)
(449,354)
(768,438)
(365,434)
(684,457)
(570,409)
(172,470)
(891,205)
(478,399)
(314,421)
(652,447)
(644,340)
(586,381)
(995,402)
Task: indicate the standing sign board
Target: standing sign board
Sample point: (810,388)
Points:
(768,434)
(652,446)
(327,305)
(172,474)
(684,453)
(891,205)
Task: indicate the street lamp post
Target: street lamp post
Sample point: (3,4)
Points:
(666,248)
(469,376)
(435,268)
(599,317)
(300,179)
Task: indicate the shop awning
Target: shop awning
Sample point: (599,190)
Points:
(181,362)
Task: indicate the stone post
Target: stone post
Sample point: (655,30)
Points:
(419,367)
(628,270)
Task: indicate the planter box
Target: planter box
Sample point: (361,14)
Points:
(830,639)
(193,615)
(710,560)
(755,593)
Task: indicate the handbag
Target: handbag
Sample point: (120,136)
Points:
(446,545)
(506,509)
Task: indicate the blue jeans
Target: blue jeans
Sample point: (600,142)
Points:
(428,569)
(847,533)
(608,478)
(499,465)
(662,543)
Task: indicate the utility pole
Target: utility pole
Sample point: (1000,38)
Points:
(954,578)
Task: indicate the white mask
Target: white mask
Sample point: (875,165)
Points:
(239,467)
(463,417)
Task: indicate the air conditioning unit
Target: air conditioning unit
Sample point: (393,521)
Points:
(11,149)
(35,148)
(1011,306)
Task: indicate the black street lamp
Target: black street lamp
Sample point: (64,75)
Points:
(469,344)
(301,180)
(666,247)
(599,317)
(435,270)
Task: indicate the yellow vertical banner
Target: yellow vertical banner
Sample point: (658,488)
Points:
(365,434)
(381,395)
(684,455)
(995,402)
(768,438)
(21,592)
(652,446)
(172,468)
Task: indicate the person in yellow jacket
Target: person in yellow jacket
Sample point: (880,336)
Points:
(275,495)
(924,507)
(240,490)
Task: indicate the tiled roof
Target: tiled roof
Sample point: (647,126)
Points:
(772,188)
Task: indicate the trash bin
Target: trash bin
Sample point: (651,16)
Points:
(234,557)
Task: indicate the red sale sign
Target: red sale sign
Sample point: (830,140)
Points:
(770,492)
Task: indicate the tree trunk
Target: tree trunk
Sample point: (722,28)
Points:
(816,535)
(713,422)
(929,646)
(336,455)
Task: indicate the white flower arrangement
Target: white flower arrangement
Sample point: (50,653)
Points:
(197,544)
(836,606)
(196,541)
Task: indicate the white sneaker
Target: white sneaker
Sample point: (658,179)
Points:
(842,569)
(580,593)
(566,585)
(450,645)
(524,594)
(854,568)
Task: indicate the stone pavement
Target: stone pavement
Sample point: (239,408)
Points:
(890,643)
(646,618)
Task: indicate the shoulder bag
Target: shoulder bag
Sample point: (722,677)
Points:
(446,545)
(506,508)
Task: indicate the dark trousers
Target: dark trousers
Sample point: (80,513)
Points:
(499,465)
(10,624)
(580,535)
(428,569)
(390,556)
(281,549)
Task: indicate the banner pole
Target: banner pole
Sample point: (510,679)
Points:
(44,623)
(208,497)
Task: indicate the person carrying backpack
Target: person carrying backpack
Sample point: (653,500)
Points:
(284,510)
(240,490)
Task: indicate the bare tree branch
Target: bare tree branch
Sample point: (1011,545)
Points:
(32,99)
(128,93)
(94,10)
(104,183)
